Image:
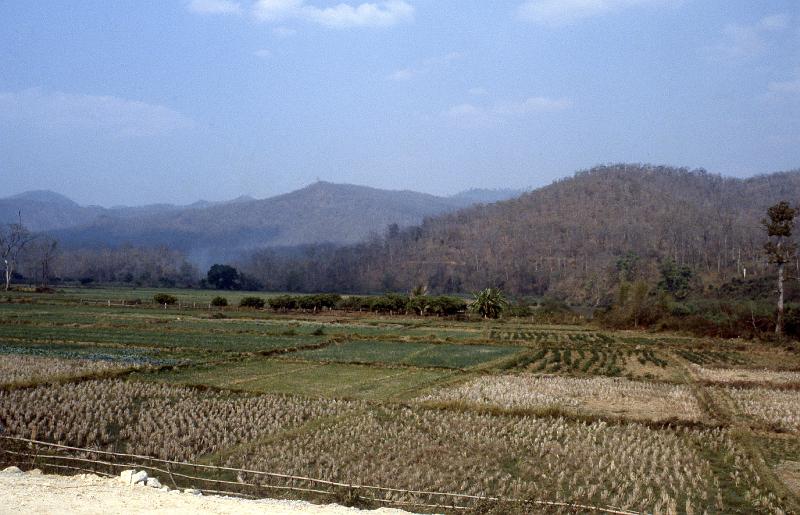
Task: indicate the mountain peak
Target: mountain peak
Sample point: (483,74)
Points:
(44,196)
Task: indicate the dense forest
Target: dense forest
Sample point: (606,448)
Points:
(575,239)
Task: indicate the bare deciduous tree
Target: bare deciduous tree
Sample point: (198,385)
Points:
(13,240)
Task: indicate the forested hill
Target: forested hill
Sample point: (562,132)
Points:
(575,237)
(320,213)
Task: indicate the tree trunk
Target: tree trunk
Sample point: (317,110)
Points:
(8,274)
(779,321)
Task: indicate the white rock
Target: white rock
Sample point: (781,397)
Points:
(126,475)
(192,491)
(12,470)
(152,482)
(165,489)
(139,478)
(35,472)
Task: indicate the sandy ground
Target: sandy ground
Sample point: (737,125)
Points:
(89,494)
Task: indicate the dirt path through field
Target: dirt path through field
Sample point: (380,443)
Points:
(92,495)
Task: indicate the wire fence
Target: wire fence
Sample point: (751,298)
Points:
(254,484)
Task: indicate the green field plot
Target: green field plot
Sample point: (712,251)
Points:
(541,336)
(415,354)
(122,336)
(127,355)
(138,295)
(608,360)
(310,379)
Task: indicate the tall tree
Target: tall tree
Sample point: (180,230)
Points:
(223,277)
(13,240)
(41,254)
(779,247)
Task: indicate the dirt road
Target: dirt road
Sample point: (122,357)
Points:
(24,493)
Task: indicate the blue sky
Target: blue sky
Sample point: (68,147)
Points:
(130,102)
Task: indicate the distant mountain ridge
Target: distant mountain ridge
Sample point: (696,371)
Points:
(576,238)
(322,212)
(487,196)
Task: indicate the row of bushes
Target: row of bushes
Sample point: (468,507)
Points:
(550,311)
(442,305)
(701,317)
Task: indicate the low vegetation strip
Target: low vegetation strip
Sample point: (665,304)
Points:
(19,370)
(539,336)
(607,360)
(596,396)
(154,338)
(53,456)
(414,354)
(664,471)
(306,378)
(153,419)
(777,409)
(747,376)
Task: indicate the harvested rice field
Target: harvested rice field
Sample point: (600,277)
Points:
(428,414)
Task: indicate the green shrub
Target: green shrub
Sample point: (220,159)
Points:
(283,303)
(390,303)
(165,298)
(519,310)
(252,302)
(445,305)
(355,303)
(219,302)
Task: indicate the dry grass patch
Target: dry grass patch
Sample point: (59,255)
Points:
(744,376)
(615,397)
(789,473)
(16,370)
(154,419)
(630,466)
(778,409)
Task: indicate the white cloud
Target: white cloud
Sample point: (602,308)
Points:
(275,10)
(563,12)
(790,87)
(472,115)
(531,105)
(118,117)
(214,7)
(747,41)
(405,74)
(263,53)
(363,15)
(774,22)
(340,16)
(283,32)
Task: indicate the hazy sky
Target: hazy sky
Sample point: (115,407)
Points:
(135,101)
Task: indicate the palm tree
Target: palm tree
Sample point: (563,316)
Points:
(489,303)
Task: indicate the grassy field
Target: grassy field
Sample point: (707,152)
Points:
(652,423)
(413,354)
(337,380)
